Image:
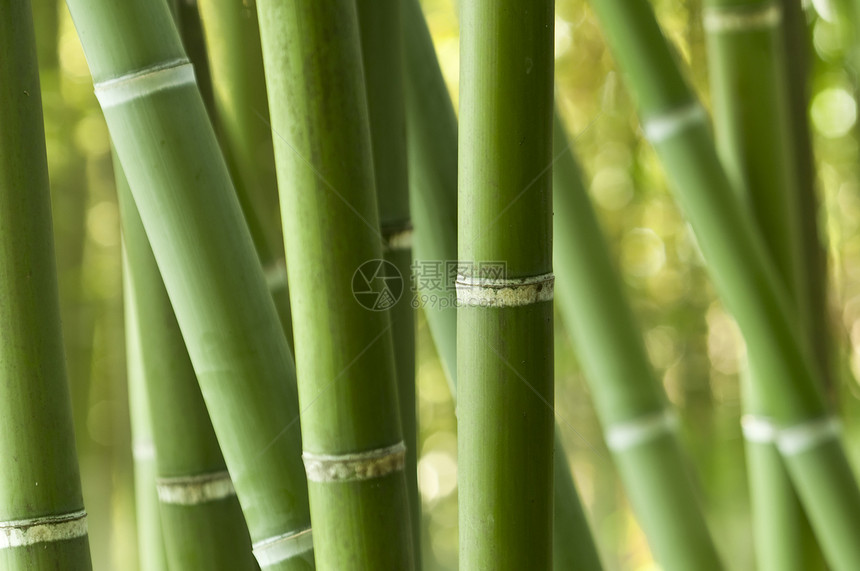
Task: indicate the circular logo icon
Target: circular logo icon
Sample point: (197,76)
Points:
(377,285)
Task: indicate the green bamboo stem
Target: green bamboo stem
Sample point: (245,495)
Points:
(432,149)
(381,32)
(353,445)
(743,273)
(187,204)
(504,319)
(751,110)
(200,514)
(42,518)
(629,400)
(150,539)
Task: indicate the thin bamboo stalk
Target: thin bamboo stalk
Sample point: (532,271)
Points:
(637,419)
(200,514)
(353,445)
(504,286)
(381,32)
(42,518)
(182,189)
(432,149)
(744,276)
(750,99)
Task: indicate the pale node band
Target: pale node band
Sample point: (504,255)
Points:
(397,237)
(673,122)
(631,433)
(351,467)
(194,490)
(144,82)
(282,547)
(493,292)
(803,437)
(21,533)
(742,19)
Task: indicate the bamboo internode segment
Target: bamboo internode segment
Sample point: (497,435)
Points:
(144,82)
(143,450)
(193,490)
(631,433)
(277,549)
(276,275)
(21,533)
(758,428)
(505,292)
(742,18)
(352,467)
(674,122)
(808,435)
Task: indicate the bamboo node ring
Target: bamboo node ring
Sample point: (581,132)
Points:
(144,82)
(498,292)
(758,429)
(21,533)
(742,19)
(807,435)
(282,547)
(353,467)
(194,490)
(397,237)
(631,433)
(674,121)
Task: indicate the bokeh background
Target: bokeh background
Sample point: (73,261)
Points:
(692,342)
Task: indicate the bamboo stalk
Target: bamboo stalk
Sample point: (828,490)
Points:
(182,189)
(750,98)
(504,286)
(432,149)
(637,419)
(42,517)
(353,444)
(744,276)
(381,32)
(200,514)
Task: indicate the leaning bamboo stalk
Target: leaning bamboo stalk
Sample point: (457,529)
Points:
(182,189)
(743,273)
(750,100)
(199,512)
(42,519)
(505,285)
(639,425)
(432,149)
(381,32)
(353,445)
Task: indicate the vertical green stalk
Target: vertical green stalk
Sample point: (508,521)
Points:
(206,257)
(201,517)
(42,518)
(353,445)
(639,426)
(504,286)
(381,31)
(750,97)
(432,149)
(744,275)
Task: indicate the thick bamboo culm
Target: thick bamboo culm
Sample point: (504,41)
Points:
(353,445)
(42,519)
(750,93)
(189,209)
(202,521)
(432,148)
(744,275)
(381,30)
(504,286)
(639,424)
(241,113)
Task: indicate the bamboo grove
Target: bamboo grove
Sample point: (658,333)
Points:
(336,219)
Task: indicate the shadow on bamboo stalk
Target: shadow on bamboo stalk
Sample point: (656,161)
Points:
(42,518)
(183,192)
(745,277)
